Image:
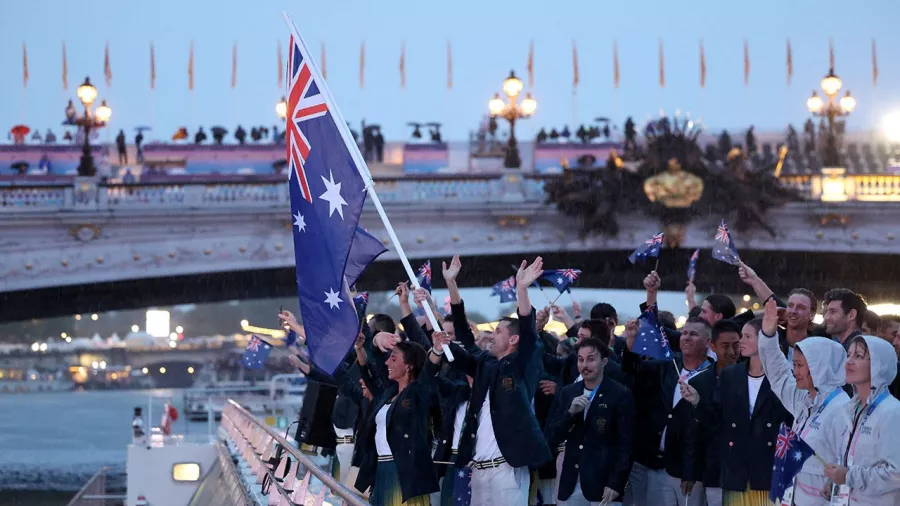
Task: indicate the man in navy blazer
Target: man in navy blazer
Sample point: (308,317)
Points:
(594,416)
(501,436)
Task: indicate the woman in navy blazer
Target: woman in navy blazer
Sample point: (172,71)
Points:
(395,441)
(747,415)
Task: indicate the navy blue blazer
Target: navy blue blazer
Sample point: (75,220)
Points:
(598,445)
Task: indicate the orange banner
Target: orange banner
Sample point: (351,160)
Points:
(530,65)
(616,75)
(403,65)
(65,69)
(746,64)
(702,66)
(191,68)
(790,63)
(152,67)
(662,66)
(575,76)
(107,69)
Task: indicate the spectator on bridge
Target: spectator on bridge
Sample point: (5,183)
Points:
(123,149)
(378,141)
(240,134)
(139,146)
(50,137)
(200,137)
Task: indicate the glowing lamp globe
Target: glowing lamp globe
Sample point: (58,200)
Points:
(815,104)
(831,84)
(529,105)
(848,103)
(512,86)
(496,105)
(103,113)
(87,93)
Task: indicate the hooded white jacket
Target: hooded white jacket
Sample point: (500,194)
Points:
(874,471)
(820,430)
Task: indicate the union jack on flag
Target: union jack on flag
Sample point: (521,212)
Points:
(561,278)
(254,344)
(650,249)
(256,353)
(424,276)
(304,102)
(506,289)
(791,453)
(723,248)
(783,443)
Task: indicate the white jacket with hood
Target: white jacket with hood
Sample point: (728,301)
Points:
(874,473)
(820,430)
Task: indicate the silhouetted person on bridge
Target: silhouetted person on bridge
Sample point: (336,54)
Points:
(123,150)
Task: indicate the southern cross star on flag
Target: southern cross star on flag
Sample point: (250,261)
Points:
(791,453)
(724,249)
(327,195)
(650,249)
(506,289)
(561,278)
(651,338)
(256,353)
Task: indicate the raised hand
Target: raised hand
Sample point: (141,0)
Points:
(609,495)
(688,392)
(770,318)
(289,319)
(652,282)
(528,274)
(452,271)
(576,309)
(402,292)
(439,340)
(747,274)
(548,387)
(421,296)
(690,291)
(541,318)
(385,341)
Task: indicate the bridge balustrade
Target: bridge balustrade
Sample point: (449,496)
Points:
(414,189)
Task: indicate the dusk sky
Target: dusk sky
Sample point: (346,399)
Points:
(488,38)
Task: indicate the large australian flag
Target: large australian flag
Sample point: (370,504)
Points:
(561,278)
(327,195)
(650,249)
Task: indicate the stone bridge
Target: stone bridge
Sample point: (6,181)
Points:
(89,246)
(136,358)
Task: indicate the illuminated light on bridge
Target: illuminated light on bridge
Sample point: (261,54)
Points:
(78,317)
(94,317)
(145,370)
(162,370)
(190,370)
(135,328)
(179,329)
(157,324)
(172,344)
(276,333)
(63,335)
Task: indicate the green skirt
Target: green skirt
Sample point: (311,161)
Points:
(386,489)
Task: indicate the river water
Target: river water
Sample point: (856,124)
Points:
(51,443)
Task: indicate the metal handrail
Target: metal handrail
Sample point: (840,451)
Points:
(337,488)
(93,492)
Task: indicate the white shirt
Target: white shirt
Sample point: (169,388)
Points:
(342,432)
(685,375)
(485,441)
(458,423)
(381,443)
(753,386)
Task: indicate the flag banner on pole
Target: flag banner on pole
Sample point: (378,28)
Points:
(280,65)
(702,66)
(874,65)
(790,63)
(327,195)
(831,54)
(791,453)
(191,68)
(403,65)
(449,66)
(662,66)
(616,75)
(561,278)
(256,353)
(323,65)
(423,275)
(65,69)
(530,65)
(152,67)
(363,251)
(234,66)
(575,76)
(650,249)
(24,65)
(724,249)
(651,338)
(107,68)
(362,65)
(746,64)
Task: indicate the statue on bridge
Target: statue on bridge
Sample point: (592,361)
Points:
(672,182)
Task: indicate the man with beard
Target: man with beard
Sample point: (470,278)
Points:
(797,316)
(845,312)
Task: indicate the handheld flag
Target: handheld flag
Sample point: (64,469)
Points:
(363,251)
(327,195)
(724,249)
(651,339)
(424,276)
(650,249)
(692,265)
(791,453)
(462,486)
(561,278)
(506,289)
(256,353)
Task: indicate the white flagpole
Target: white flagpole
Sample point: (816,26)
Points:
(362,167)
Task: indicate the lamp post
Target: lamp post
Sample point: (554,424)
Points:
(511,110)
(831,109)
(90,120)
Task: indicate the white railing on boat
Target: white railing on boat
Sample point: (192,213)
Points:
(294,479)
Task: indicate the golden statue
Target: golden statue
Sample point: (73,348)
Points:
(674,188)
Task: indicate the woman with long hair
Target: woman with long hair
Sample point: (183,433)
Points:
(747,415)
(813,394)
(396,439)
(869,469)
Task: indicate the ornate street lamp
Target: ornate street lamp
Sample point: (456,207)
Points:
(512,110)
(281,109)
(90,120)
(831,108)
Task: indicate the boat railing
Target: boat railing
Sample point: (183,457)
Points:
(257,444)
(93,493)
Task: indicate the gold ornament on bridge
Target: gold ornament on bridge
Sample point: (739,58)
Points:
(674,188)
(674,233)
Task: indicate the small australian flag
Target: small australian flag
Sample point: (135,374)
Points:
(256,353)
(651,338)
(561,278)
(692,265)
(424,276)
(506,289)
(650,249)
(791,453)
(724,249)
(462,486)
